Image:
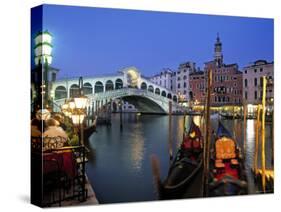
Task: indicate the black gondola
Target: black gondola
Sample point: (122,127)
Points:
(230,115)
(227,172)
(187,163)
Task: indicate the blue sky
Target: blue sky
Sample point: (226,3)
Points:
(93,41)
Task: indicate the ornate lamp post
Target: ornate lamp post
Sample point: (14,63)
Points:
(75,109)
(43,56)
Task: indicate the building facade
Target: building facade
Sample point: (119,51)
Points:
(176,81)
(182,80)
(226,79)
(197,85)
(164,79)
(253,81)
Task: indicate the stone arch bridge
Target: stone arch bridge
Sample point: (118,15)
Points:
(128,84)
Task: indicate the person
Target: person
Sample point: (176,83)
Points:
(36,135)
(54,136)
(36,125)
(59,118)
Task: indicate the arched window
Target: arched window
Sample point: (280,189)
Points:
(157,91)
(175,99)
(60,92)
(109,85)
(98,87)
(169,96)
(87,88)
(150,88)
(118,84)
(163,93)
(143,86)
(74,90)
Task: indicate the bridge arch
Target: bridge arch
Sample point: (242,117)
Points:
(163,93)
(74,90)
(87,88)
(99,88)
(144,104)
(143,86)
(109,86)
(157,91)
(151,88)
(118,83)
(175,98)
(169,96)
(60,92)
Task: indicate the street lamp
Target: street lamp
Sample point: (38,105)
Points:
(75,109)
(43,56)
(77,117)
(43,48)
(81,101)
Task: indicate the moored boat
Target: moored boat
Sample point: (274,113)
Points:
(187,163)
(227,172)
(194,113)
(230,115)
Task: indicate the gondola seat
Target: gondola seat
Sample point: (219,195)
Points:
(234,163)
(225,149)
(220,166)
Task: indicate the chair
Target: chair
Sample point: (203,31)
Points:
(220,166)
(225,148)
(52,178)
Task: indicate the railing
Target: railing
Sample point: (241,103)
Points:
(61,181)
(128,92)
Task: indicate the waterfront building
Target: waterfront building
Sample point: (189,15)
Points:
(164,79)
(226,79)
(197,87)
(253,82)
(182,80)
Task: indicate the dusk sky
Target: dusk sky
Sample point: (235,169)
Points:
(94,41)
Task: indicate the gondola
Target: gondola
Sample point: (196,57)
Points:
(194,113)
(227,172)
(230,116)
(187,163)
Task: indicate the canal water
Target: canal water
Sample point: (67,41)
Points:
(119,166)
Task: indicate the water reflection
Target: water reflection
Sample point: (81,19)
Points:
(119,164)
(137,149)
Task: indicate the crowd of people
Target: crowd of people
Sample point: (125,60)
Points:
(51,130)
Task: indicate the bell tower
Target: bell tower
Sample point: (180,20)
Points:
(218,57)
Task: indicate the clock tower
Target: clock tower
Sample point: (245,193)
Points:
(218,57)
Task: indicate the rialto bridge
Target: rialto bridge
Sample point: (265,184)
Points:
(127,84)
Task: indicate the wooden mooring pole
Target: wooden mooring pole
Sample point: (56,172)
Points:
(263,134)
(256,153)
(207,137)
(233,119)
(272,138)
(170,133)
(245,129)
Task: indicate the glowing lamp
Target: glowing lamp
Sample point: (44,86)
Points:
(43,48)
(77,118)
(64,106)
(44,37)
(71,105)
(81,102)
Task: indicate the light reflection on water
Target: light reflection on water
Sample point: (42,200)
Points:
(119,165)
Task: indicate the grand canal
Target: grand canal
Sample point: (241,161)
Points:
(119,166)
